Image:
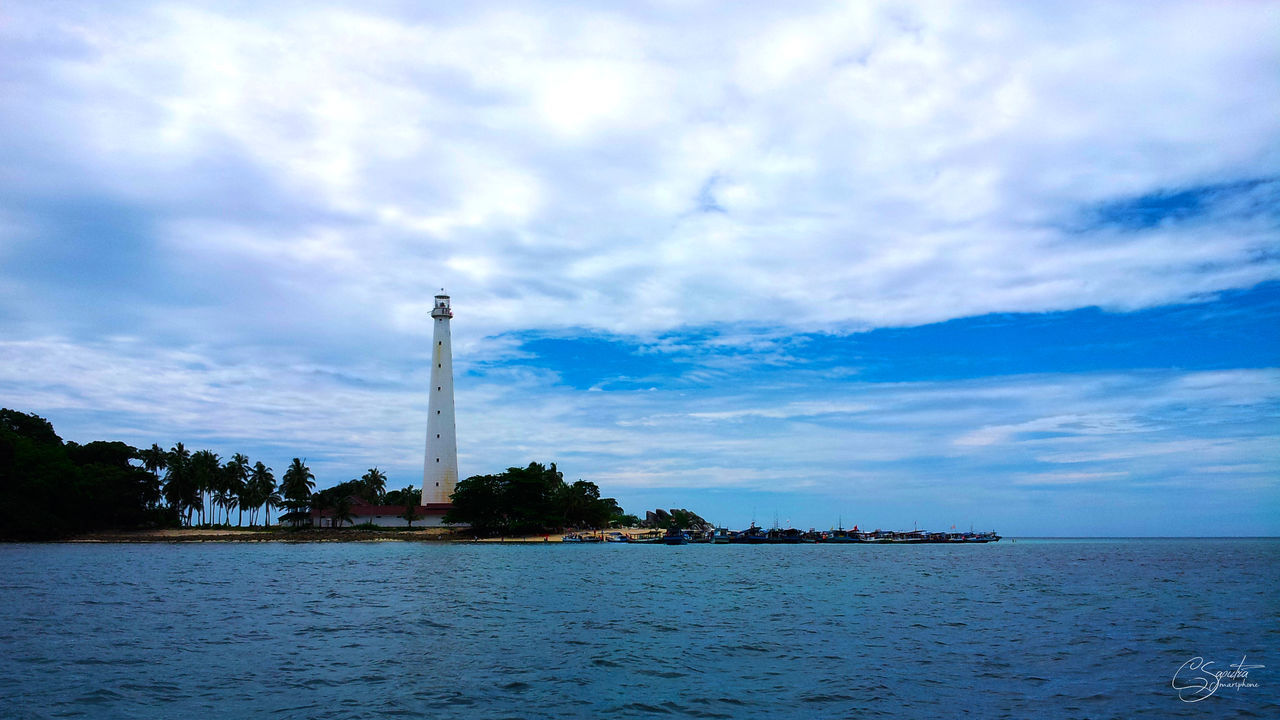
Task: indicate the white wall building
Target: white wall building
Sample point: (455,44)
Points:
(383,515)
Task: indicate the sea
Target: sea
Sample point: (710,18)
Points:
(1023,628)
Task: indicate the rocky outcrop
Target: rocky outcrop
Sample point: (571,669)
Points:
(684,519)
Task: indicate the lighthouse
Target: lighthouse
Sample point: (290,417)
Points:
(440,468)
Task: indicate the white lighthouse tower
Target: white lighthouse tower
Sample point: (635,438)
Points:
(440,470)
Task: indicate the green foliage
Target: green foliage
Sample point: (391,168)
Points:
(410,513)
(50,489)
(206,474)
(529,500)
(261,492)
(329,497)
(373,486)
(342,511)
(235,486)
(408,496)
(624,520)
(179,484)
(296,487)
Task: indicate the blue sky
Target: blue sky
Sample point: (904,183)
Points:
(1000,264)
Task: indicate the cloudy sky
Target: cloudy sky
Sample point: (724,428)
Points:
(1010,265)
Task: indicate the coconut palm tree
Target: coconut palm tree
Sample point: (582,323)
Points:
(374,485)
(261,492)
(235,482)
(296,487)
(179,485)
(273,500)
(342,512)
(319,503)
(411,501)
(206,467)
(154,459)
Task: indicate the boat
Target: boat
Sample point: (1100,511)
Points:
(675,536)
(840,535)
(790,536)
(753,535)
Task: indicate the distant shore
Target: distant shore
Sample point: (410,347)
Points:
(251,535)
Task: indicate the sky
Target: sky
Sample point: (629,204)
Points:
(1009,266)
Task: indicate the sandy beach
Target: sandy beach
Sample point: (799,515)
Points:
(178,535)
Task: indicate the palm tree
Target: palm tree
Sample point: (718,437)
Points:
(296,486)
(273,500)
(342,512)
(259,490)
(375,485)
(319,503)
(154,459)
(410,506)
(206,468)
(179,486)
(236,477)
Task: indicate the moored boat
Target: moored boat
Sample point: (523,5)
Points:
(675,536)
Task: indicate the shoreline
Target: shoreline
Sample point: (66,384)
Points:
(307,535)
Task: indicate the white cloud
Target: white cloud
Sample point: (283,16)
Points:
(878,165)
(1052,429)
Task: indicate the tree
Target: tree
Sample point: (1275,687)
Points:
(50,488)
(622,520)
(296,487)
(410,495)
(236,483)
(410,514)
(206,472)
(527,500)
(374,485)
(320,502)
(154,459)
(179,485)
(261,491)
(342,512)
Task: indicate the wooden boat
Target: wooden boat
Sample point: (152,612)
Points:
(675,536)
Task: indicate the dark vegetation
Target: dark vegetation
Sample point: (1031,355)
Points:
(51,489)
(530,500)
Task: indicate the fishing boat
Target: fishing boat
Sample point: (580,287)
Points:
(675,536)
(753,535)
(840,535)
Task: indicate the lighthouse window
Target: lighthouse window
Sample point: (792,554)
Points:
(437,435)
(439,365)
(437,387)
(437,412)
(437,459)
(440,342)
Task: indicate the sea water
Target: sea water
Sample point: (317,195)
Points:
(1018,629)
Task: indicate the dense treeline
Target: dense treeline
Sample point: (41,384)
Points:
(531,500)
(52,488)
